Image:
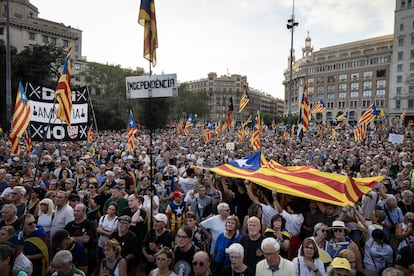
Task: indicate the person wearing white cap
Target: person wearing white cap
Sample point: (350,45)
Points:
(155,239)
(341,241)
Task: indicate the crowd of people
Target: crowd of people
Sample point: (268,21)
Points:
(73,208)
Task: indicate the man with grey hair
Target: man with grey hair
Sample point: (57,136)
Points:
(63,214)
(252,242)
(62,264)
(9,216)
(17,198)
(215,225)
(273,264)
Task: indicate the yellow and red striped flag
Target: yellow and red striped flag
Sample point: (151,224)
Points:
(229,115)
(207,132)
(320,130)
(369,115)
(306,114)
(218,129)
(147,19)
(319,108)
(188,124)
(28,141)
(89,137)
(64,92)
(256,132)
(333,134)
(22,113)
(132,129)
(244,100)
(14,142)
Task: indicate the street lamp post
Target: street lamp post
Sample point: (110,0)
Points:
(291,26)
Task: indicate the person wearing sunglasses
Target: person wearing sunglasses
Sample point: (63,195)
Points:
(341,241)
(164,260)
(201,264)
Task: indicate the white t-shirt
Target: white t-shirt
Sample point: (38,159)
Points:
(107,225)
(147,204)
(216,225)
(45,221)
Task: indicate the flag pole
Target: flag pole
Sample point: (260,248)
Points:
(92,109)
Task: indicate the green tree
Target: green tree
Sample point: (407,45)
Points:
(189,102)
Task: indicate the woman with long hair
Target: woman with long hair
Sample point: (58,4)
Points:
(113,264)
(308,263)
(107,225)
(45,215)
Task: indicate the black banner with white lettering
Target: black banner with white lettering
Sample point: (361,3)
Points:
(43,106)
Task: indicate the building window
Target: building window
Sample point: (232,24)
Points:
(368,75)
(77,67)
(366,103)
(320,89)
(381,73)
(411,90)
(53,40)
(367,94)
(400,55)
(412,53)
(354,86)
(353,104)
(311,81)
(342,77)
(380,93)
(398,104)
(331,78)
(341,104)
(320,97)
(367,84)
(330,96)
(381,83)
(32,36)
(1,31)
(331,88)
(330,105)
(379,102)
(399,79)
(401,27)
(398,91)
(342,95)
(311,90)
(401,42)
(354,94)
(381,60)
(354,76)
(410,103)
(411,66)
(399,67)
(342,87)
(45,39)
(65,43)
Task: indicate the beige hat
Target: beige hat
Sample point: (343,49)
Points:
(161,217)
(339,224)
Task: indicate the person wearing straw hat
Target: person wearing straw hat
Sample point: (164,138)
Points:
(341,241)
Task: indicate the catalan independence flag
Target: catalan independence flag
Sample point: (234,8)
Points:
(207,132)
(22,113)
(28,141)
(147,19)
(256,133)
(188,124)
(306,114)
(229,115)
(89,137)
(319,108)
(64,92)
(369,115)
(132,129)
(244,100)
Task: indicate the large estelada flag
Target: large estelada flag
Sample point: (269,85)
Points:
(147,19)
(301,181)
(64,92)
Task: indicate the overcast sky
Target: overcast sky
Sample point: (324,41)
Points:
(195,37)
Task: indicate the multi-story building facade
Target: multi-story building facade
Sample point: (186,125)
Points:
(27,29)
(401,96)
(221,88)
(347,77)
